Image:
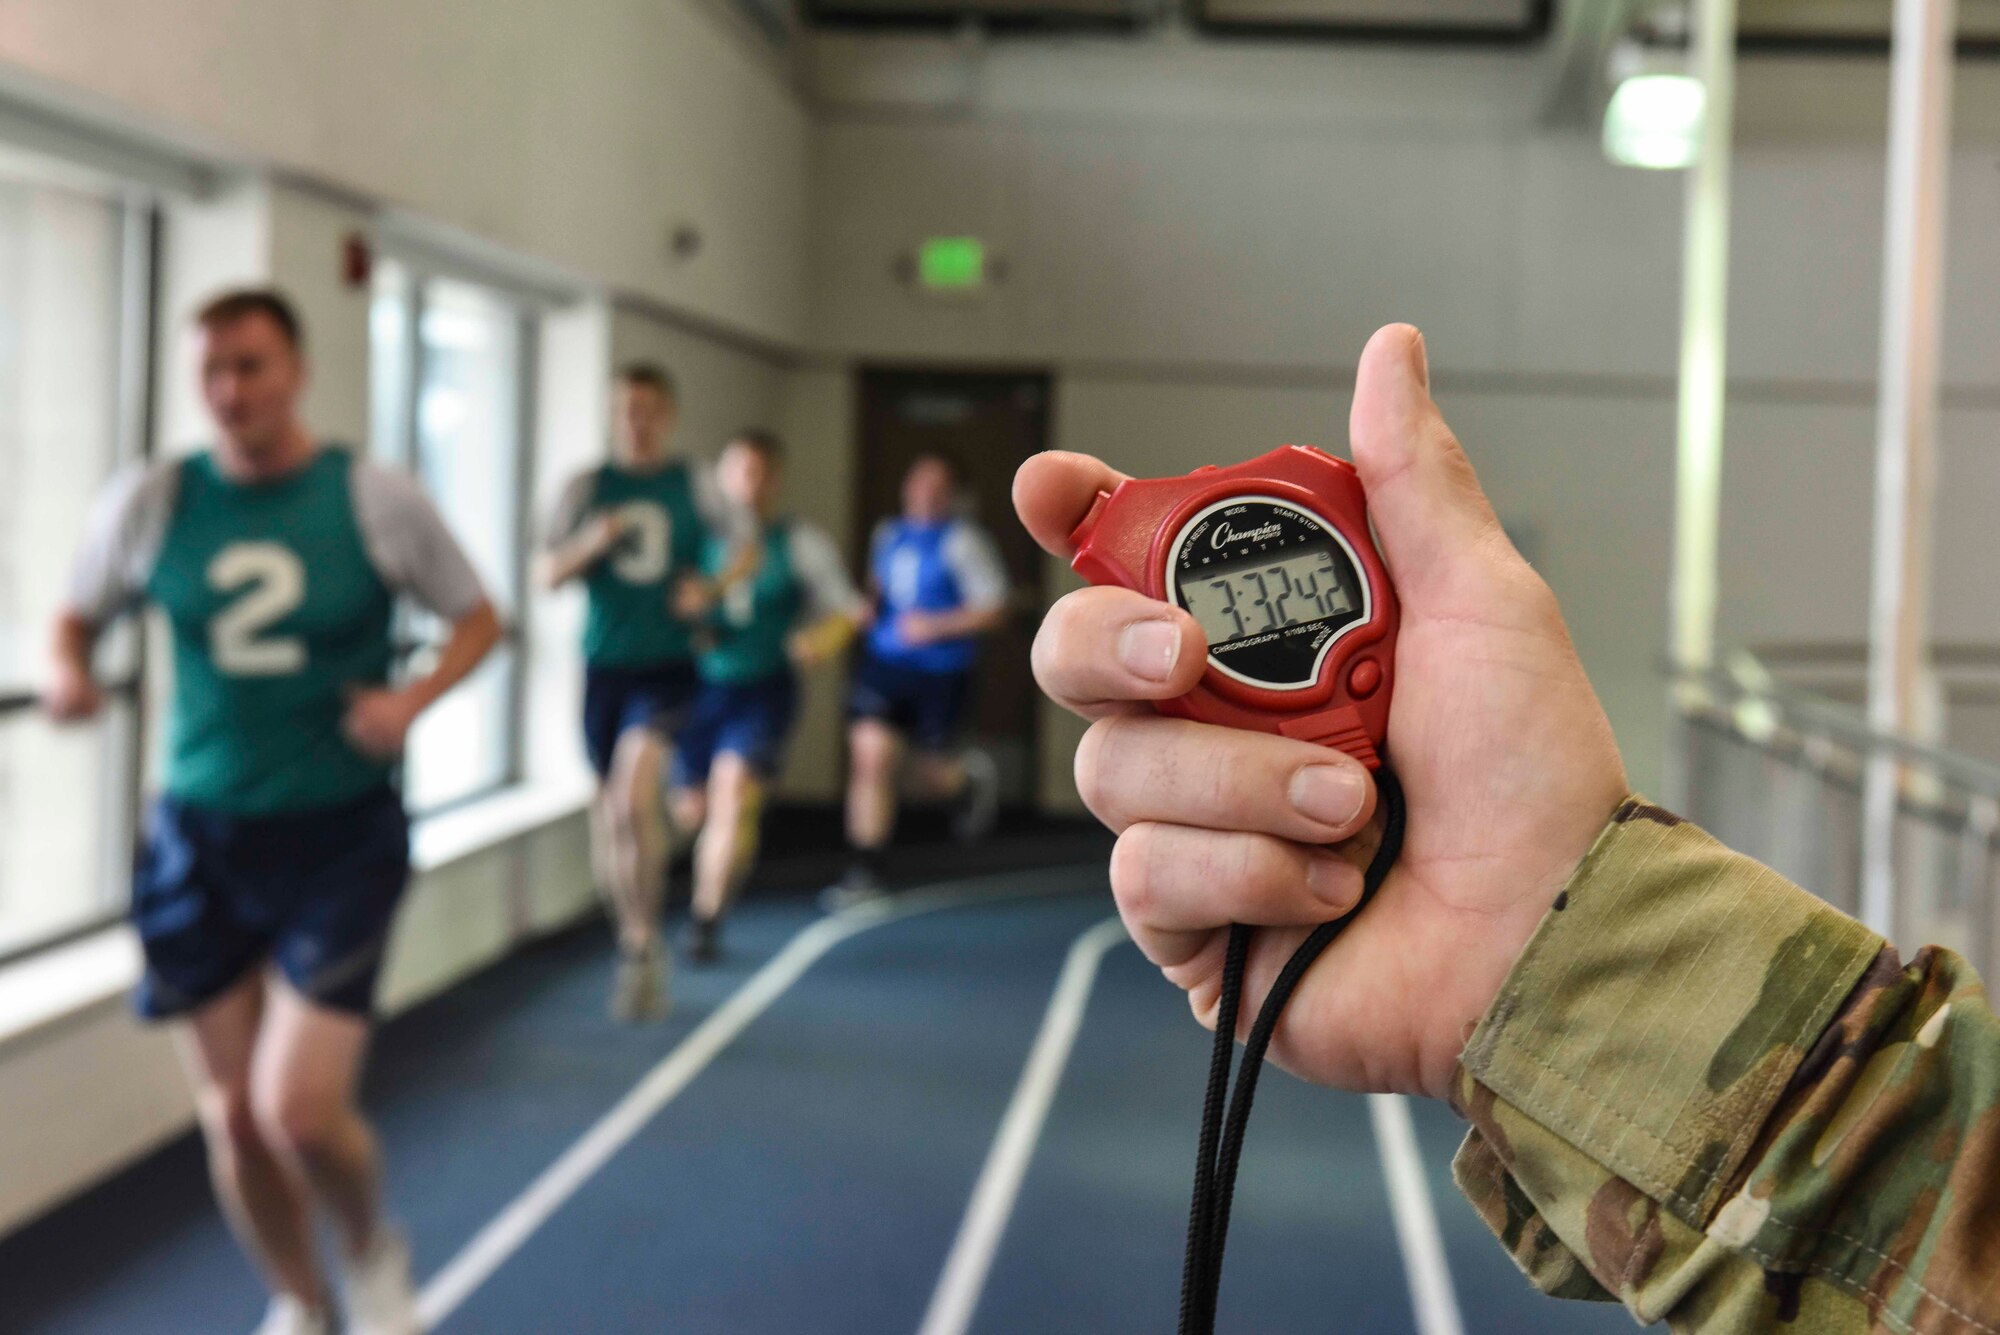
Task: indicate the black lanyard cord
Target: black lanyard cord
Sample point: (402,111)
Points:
(1222,1126)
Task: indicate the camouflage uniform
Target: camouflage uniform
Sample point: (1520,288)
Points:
(1707,1095)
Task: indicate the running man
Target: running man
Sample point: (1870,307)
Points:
(777,601)
(938,584)
(629,529)
(272,865)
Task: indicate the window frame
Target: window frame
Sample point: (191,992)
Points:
(421,270)
(121,813)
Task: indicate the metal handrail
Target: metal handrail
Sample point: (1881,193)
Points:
(1744,678)
(18,701)
(1946,846)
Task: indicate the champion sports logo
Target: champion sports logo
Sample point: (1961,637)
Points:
(1224,535)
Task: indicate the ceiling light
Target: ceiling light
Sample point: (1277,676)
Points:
(1654,121)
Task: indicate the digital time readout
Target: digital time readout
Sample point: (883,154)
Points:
(1243,599)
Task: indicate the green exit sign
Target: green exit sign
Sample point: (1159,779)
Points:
(951,263)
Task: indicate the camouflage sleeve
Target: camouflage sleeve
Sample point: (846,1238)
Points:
(1707,1095)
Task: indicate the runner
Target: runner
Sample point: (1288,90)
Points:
(273,863)
(629,528)
(777,601)
(938,585)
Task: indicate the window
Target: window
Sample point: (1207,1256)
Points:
(452,361)
(73,332)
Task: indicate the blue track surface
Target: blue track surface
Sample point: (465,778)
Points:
(813,1178)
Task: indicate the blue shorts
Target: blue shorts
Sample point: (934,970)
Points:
(752,720)
(927,707)
(314,892)
(616,700)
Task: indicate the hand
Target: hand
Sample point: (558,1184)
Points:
(601,534)
(378,719)
(72,696)
(1507,760)
(917,629)
(693,597)
(744,562)
(805,649)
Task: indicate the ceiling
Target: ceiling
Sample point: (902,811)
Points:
(1417,20)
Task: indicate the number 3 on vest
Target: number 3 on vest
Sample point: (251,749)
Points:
(276,582)
(644,557)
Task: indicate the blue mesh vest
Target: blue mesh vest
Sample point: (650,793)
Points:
(910,569)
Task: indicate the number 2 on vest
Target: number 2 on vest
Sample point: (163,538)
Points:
(275,582)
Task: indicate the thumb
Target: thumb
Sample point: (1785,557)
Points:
(1430,514)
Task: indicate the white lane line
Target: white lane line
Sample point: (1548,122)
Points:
(999,1185)
(490,1248)
(1415,1216)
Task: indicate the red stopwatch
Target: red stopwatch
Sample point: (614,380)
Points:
(1276,561)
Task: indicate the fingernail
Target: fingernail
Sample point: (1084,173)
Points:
(1330,794)
(1148,648)
(1421,355)
(1332,881)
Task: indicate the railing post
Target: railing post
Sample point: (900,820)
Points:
(1906,422)
(1703,382)
(1975,882)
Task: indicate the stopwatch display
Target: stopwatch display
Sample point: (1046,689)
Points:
(1275,560)
(1272,586)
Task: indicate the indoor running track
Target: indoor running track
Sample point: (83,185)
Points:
(805,1145)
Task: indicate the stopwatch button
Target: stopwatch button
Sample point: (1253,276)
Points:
(1365,679)
(1084,531)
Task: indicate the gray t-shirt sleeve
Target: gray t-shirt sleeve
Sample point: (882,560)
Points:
(122,540)
(409,545)
(725,521)
(974,559)
(709,502)
(572,507)
(828,590)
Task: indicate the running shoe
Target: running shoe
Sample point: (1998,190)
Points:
(642,992)
(288,1316)
(859,886)
(376,1289)
(702,940)
(979,805)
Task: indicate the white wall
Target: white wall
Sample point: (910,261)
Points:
(256,231)
(54,1143)
(1603,563)
(576,133)
(1200,237)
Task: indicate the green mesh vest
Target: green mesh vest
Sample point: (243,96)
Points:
(753,621)
(277,613)
(629,624)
